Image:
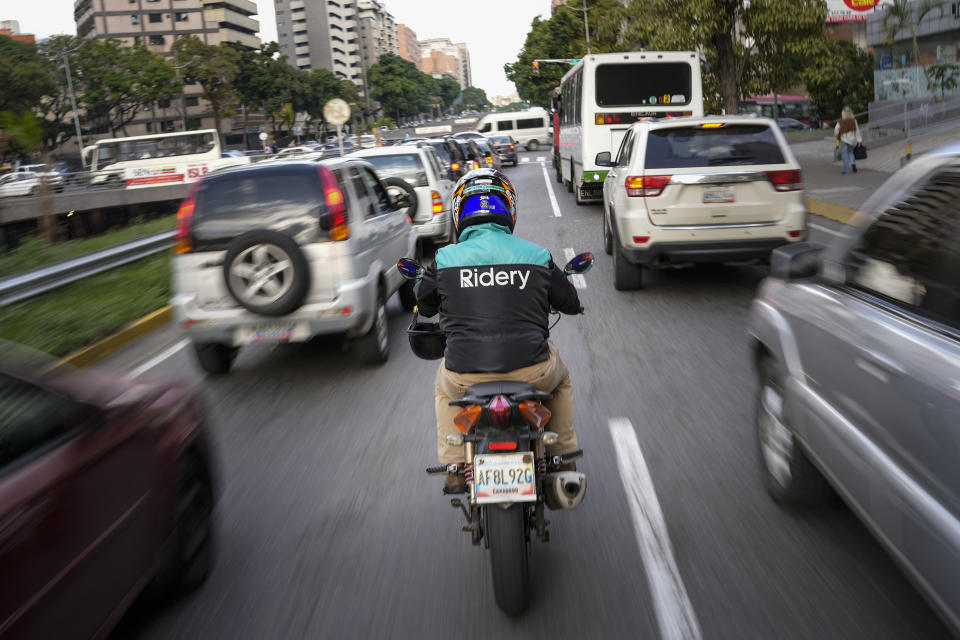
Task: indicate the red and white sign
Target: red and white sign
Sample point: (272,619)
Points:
(849,10)
(166,174)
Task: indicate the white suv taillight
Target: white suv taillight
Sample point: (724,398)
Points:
(787,180)
(646,186)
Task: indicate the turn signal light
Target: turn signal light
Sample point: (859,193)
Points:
(535,413)
(336,208)
(490,159)
(466,420)
(437,202)
(646,186)
(788,180)
(455,166)
(183,242)
(510,147)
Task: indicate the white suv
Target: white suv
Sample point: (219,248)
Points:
(424,180)
(714,189)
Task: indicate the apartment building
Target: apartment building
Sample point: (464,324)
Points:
(407,46)
(157,24)
(440,57)
(11,29)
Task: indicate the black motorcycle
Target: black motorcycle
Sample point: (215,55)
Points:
(510,480)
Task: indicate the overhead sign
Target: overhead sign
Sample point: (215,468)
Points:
(443,128)
(849,10)
(464,120)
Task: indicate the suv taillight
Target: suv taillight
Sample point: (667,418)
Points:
(336,220)
(455,166)
(182,241)
(787,180)
(437,202)
(646,186)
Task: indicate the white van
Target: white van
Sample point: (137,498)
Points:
(529,128)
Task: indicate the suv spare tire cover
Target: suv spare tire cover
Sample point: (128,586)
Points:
(393,183)
(266,272)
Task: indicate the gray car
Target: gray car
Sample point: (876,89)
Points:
(857,350)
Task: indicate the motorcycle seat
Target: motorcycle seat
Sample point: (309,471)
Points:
(499,387)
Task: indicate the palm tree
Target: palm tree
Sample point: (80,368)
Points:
(900,14)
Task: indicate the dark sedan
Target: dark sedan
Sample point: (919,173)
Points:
(505,147)
(106,487)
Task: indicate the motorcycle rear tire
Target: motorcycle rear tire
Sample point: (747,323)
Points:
(509,557)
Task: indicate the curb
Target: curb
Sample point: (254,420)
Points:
(113,343)
(838,212)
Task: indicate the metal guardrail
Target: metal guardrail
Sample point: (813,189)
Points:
(27,285)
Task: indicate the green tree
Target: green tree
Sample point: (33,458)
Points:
(942,78)
(396,84)
(449,91)
(839,75)
(24,76)
(213,66)
(115,81)
(559,37)
(475,97)
(905,14)
(55,108)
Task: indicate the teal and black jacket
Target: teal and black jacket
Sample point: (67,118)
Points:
(493,292)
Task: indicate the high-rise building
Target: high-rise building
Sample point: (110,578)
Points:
(11,29)
(156,24)
(440,56)
(346,37)
(407,46)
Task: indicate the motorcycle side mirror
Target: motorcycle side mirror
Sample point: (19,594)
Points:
(410,269)
(579,264)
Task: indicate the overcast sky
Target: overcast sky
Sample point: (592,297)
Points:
(493,30)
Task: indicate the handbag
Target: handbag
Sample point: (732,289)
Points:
(859,152)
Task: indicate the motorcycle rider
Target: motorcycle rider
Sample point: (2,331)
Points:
(494,292)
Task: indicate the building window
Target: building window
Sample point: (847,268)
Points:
(157,40)
(156,17)
(134,19)
(182,16)
(168,125)
(163,104)
(191,101)
(149,127)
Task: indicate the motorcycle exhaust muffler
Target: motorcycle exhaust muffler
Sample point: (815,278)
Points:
(565,489)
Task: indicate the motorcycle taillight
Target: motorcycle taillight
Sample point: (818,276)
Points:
(500,409)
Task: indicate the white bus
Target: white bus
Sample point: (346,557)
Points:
(604,93)
(529,128)
(157,159)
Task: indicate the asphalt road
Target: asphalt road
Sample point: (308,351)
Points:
(328,527)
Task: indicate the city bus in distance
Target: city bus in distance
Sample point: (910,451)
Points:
(604,93)
(161,158)
(799,108)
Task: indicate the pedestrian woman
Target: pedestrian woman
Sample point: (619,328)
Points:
(847,133)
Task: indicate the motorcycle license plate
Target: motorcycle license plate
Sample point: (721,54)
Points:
(504,477)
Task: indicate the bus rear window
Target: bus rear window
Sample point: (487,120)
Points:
(730,145)
(644,83)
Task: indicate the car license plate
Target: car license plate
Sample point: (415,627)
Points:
(716,195)
(504,477)
(293,332)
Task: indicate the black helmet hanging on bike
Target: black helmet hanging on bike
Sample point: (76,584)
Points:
(484,195)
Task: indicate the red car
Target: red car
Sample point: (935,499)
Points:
(106,487)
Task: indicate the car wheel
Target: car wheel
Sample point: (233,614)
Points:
(788,475)
(569,183)
(533,145)
(189,555)
(396,186)
(626,275)
(266,272)
(557,170)
(607,236)
(215,358)
(374,346)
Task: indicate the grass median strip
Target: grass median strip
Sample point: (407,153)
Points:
(78,314)
(34,253)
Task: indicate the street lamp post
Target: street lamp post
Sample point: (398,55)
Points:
(73,102)
(586,20)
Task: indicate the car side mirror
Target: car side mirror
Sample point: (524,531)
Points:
(796,261)
(410,269)
(603,159)
(579,264)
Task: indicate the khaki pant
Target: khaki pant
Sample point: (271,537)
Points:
(549,376)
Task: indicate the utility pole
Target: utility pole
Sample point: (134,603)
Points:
(73,103)
(586,21)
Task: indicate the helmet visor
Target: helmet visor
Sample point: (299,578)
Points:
(484,204)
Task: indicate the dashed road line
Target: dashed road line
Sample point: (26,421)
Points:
(525,159)
(152,362)
(541,158)
(820,227)
(553,198)
(578,280)
(675,613)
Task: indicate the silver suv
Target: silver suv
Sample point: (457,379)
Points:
(282,252)
(857,351)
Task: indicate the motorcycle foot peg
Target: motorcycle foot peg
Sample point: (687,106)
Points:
(438,470)
(565,489)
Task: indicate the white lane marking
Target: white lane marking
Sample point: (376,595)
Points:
(820,227)
(675,614)
(578,281)
(525,159)
(157,359)
(835,189)
(541,158)
(553,198)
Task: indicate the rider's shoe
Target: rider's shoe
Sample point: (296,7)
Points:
(454,483)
